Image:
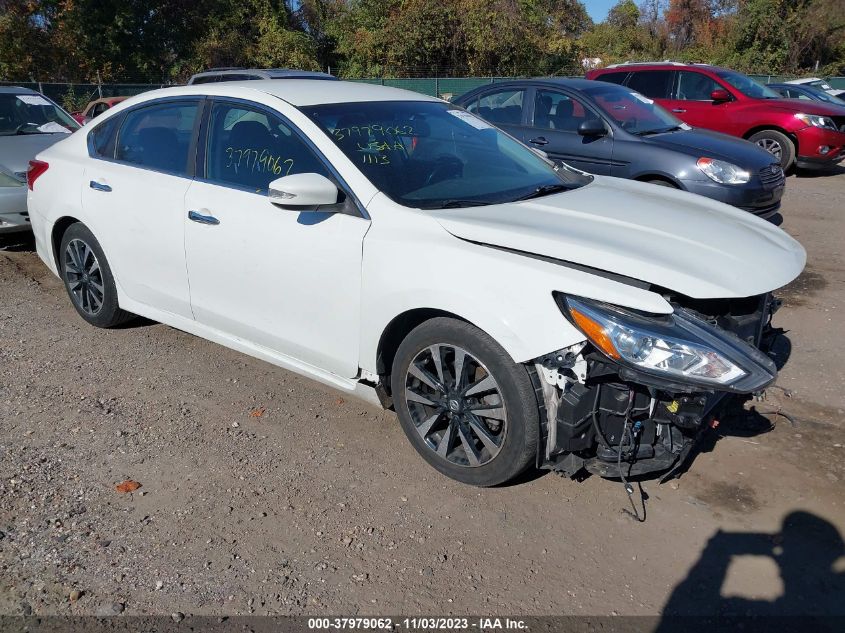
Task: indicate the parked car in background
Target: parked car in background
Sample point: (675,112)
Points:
(808,134)
(397,247)
(215,75)
(29,122)
(96,108)
(606,129)
(806,92)
(815,82)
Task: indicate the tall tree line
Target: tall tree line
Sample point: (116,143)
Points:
(167,40)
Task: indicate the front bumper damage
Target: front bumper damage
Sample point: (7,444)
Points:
(605,419)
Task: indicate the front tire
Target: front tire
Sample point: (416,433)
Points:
(466,407)
(777,144)
(88,278)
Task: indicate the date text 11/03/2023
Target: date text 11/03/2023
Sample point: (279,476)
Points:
(419,624)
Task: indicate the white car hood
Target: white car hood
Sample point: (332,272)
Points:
(679,241)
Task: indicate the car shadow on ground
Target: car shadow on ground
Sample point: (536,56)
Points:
(836,170)
(807,552)
(22,241)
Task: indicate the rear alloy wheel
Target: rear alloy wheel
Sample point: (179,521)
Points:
(777,144)
(467,408)
(88,279)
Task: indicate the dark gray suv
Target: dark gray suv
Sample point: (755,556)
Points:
(603,128)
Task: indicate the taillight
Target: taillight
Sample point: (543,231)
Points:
(36,168)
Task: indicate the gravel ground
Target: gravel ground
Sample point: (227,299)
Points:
(262,492)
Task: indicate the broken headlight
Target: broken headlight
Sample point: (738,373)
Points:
(680,347)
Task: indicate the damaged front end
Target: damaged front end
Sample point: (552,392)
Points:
(635,396)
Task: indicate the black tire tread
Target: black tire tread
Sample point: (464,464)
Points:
(523,410)
(111,315)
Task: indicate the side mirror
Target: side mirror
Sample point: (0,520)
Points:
(720,95)
(592,127)
(303,192)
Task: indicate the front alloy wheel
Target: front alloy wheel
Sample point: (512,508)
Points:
(466,407)
(456,405)
(778,144)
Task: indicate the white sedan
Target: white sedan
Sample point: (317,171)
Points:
(513,312)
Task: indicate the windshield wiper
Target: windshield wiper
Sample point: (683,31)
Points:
(658,130)
(545,190)
(457,204)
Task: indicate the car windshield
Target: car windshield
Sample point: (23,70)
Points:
(634,112)
(32,113)
(747,86)
(433,155)
(821,95)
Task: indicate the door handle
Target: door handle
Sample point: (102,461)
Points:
(98,186)
(203,219)
(679,110)
(538,141)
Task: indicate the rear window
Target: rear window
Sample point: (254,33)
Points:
(502,106)
(613,78)
(101,138)
(654,84)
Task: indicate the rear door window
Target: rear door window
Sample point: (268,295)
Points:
(503,107)
(249,148)
(654,84)
(158,136)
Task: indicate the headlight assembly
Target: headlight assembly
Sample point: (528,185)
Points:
(679,348)
(722,171)
(816,120)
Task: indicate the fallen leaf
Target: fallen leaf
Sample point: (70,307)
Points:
(127,486)
(257,413)
(339,401)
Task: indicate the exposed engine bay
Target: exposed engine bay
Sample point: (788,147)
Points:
(610,419)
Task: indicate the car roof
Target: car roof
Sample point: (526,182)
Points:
(297,92)
(266,73)
(576,83)
(803,80)
(668,65)
(17,90)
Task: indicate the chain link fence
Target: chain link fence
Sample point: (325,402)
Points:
(74,96)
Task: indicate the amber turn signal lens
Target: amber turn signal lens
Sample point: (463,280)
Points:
(595,332)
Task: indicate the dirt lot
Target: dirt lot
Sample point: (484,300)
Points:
(319,504)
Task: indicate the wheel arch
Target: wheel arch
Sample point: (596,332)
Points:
(397,329)
(649,177)
(57,233)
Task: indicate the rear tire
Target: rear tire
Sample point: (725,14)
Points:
(466,407)
(777,144)
(88,278)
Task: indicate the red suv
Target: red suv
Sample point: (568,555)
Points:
(806,133)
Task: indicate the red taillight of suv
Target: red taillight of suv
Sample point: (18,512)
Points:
(36,168)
